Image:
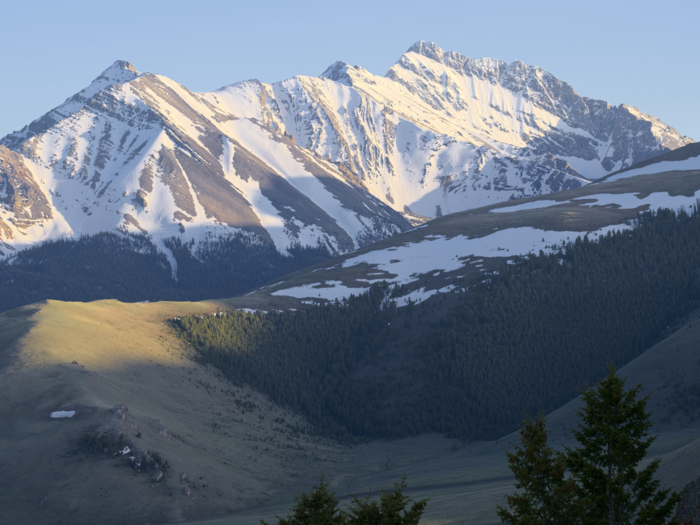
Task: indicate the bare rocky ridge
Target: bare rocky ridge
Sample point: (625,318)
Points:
(631,136)
(22,200)
(140,152)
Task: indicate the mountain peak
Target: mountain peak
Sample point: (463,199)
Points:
(118,73)
(428,49)
(338,72)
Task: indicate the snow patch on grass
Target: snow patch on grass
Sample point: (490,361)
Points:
(329,290)
(62,413)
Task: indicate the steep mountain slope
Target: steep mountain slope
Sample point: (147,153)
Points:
(333,160)
(141,152)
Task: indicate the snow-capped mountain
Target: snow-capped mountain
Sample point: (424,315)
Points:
(442,133)
(141,152)
(340,160)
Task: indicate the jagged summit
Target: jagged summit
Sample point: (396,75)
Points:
(119,72)
(338,72)
(495,71)
(428,49)
(454,60)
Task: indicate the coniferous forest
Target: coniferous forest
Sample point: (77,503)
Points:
(129,267)
(467,364)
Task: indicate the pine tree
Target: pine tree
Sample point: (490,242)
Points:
(545,494)
(319,507)
(612,434)
(366,511)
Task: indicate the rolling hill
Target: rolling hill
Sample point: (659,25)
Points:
(250,452)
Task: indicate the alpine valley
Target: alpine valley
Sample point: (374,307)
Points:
(280,176)
(352,276)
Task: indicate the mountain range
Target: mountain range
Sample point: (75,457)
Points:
(340,160)
(463,195)
(238,451)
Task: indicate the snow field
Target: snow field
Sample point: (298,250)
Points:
(692,163)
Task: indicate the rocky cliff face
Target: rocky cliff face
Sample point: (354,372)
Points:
(22,201)
(614,137)
(334,160)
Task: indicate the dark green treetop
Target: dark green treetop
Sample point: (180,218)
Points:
(320,507)
(389,509)
(546,495)
(613,441)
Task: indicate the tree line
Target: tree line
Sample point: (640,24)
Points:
(129,267)
(600,482)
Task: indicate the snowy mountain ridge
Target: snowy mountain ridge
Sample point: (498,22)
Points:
(148,155)
(339,160)
(429,260)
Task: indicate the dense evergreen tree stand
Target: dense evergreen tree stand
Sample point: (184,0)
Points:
(321,507)
(129,267)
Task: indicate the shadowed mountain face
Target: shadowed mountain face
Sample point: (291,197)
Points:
(340,160)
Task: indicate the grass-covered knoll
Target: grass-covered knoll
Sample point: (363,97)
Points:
(237,448)
(469,363)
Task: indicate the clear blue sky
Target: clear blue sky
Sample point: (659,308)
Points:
(640,53)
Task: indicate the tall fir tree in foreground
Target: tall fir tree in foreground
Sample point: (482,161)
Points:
(613,440)
(604,484)
(545,494)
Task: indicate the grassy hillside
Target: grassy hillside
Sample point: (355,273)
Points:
(235,455)
(130,358)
